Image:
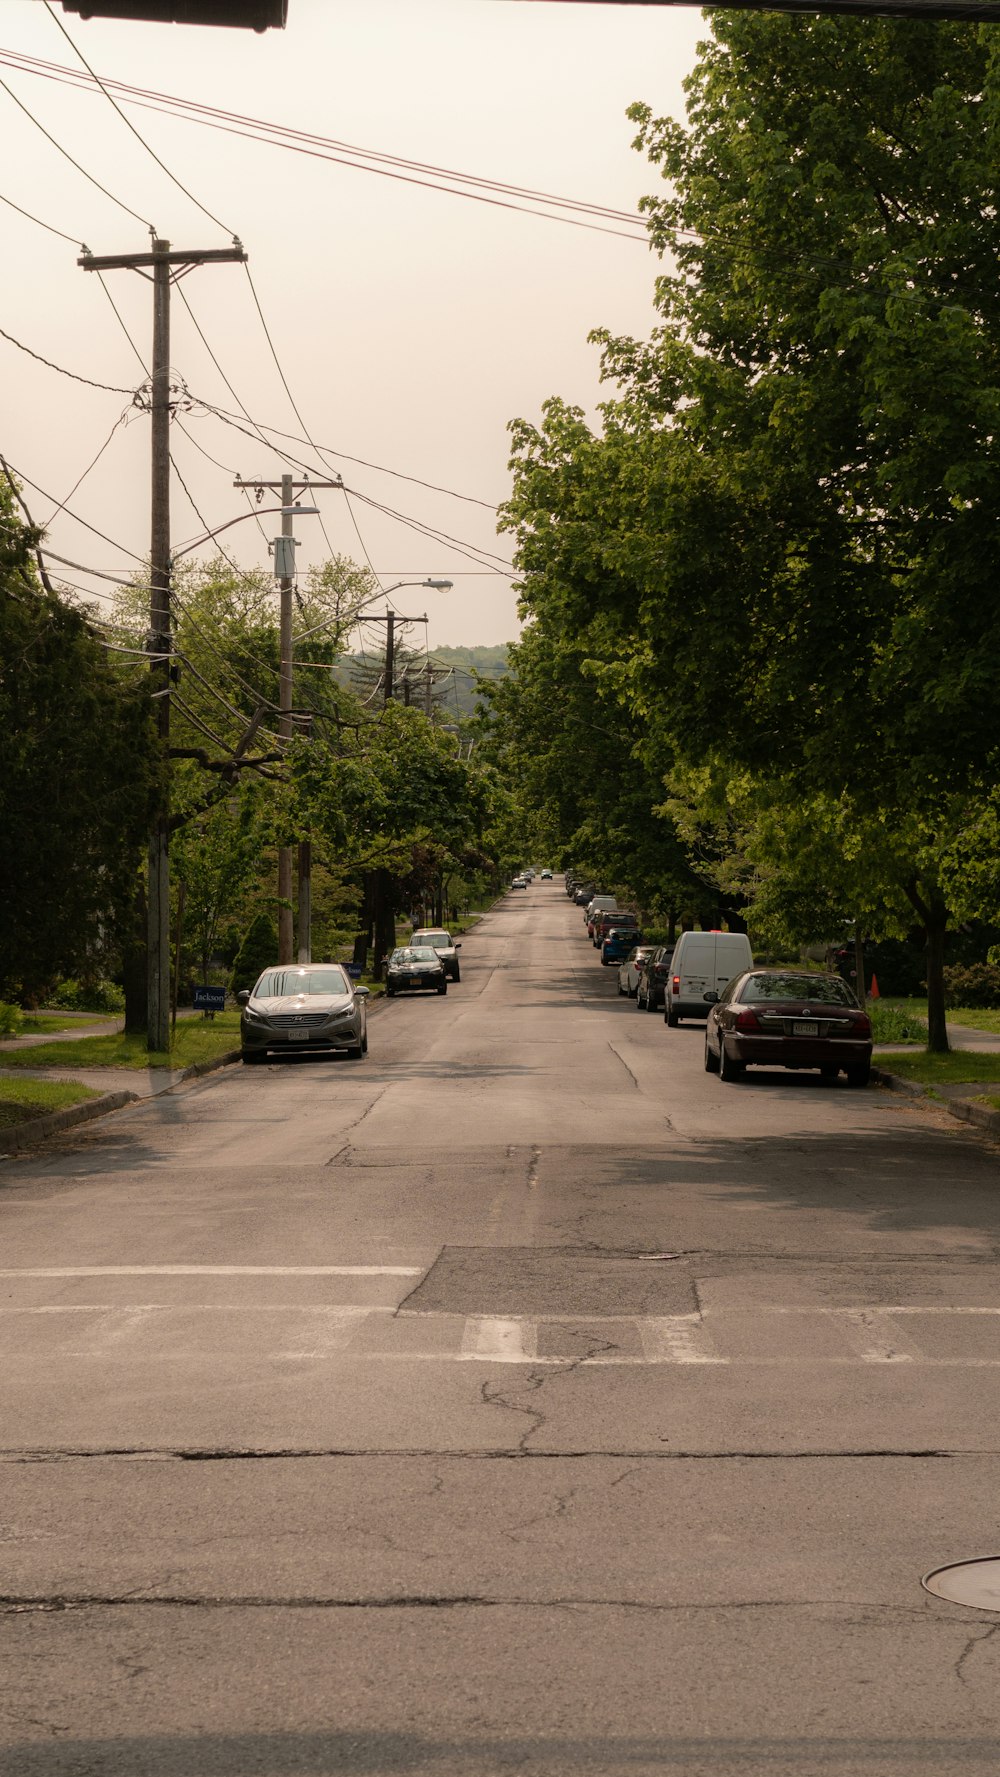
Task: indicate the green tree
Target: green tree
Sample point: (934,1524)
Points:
(77,773)
(258,951)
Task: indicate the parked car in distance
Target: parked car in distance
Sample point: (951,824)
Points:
(703,962)
(617,917)
(780,1018)
(583,894)
(312,1007)
(519,882)
(616,944)
(653,982)
(442,942)
(415,966)
(634,968)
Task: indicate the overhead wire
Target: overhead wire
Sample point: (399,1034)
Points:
(77,51)
(288,392)
(112,388)
(38,220)
(75,163)
(122,420)
(75,516)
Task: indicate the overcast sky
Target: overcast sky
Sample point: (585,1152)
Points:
(411,325)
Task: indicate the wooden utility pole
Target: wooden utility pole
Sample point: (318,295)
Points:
(390,656)
(428,691)
(289,487)
(163,268)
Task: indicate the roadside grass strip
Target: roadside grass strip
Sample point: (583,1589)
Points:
(44,1023)
(195,1040)
(958,1067)
(21,1100)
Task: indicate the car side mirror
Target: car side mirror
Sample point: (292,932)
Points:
(243,997)
(712,998)
(362,993)
(458,946)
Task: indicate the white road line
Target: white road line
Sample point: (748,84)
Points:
(677,1339)
(114,1326)
(876,1339)
(218,1271)
(499,1341)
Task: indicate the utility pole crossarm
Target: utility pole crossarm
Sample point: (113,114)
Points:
(135,261)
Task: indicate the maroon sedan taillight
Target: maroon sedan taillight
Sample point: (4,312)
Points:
(747,1020)
(862,1025)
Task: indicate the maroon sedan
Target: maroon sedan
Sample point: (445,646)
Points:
(787,1018)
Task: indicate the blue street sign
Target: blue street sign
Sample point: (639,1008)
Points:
(355,971)
(210,999)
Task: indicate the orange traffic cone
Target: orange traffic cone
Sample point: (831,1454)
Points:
(875,992)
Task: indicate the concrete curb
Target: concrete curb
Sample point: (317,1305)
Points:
(978,1114)
(38,1129)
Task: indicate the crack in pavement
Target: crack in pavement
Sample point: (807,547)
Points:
(618,1055)
(974,1641)
(533,1383)
(237,1453)
(866,1608)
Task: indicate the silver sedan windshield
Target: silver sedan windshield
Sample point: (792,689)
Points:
(280,984)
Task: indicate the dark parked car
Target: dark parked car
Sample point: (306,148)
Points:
(633,969)
(313,1006)
(619,920)
(584,894)
(441,941)
(653,985)
(415,966)
(781,1018)
(616,944)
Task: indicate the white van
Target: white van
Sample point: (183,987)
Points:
(597,903)
(702,963)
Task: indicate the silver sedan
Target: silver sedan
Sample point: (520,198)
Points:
(310,1007)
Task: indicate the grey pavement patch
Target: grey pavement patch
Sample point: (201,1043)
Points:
(547,1281)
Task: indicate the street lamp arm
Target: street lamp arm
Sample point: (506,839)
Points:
(256,513)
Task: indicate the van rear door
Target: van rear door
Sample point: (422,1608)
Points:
(697,966)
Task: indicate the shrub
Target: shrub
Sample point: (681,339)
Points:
(11,1019)
(88,996)
(891,1024)
(259,950)
(975,984)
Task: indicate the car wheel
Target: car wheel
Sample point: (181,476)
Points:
(859,1076)
(829,1072)
(673,1018)
(390,992)
(364,1044)
(253,1057)
(356,1052)
(729,1070)
(457,975)
(621,990)
(443,987)
(711,1059)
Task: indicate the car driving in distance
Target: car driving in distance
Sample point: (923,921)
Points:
(415,966)
(310,1007)
(443,943)
(545,876)
(783,1018)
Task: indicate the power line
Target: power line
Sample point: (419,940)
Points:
(75,163)
(122,420)
(481,555)
(112,388)
(131,126)
(288,392)
(75,517)
(37,219)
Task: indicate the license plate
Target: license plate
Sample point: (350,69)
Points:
(804,1027)
(297,1036)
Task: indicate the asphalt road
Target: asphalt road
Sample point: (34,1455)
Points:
(521,1398)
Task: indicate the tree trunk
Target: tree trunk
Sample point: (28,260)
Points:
(937,1024)
(672,926)
(134,967)
(860,982)
(933,915)
(734,921)
(385,921)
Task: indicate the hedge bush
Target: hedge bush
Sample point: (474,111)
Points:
(975,985)
(11,1019)
(88,996)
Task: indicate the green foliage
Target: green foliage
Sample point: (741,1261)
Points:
(77,774)
(22,1100)
(975,984)
(894,1024)
(88,996)
(11,1019)
(258,951)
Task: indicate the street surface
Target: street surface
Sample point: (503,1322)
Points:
(521,1398)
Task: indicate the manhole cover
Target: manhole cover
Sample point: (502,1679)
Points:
(976,1583)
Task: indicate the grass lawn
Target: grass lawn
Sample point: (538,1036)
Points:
(196,1039)
(21,1100)
(41,1023)
(971,1016)
(932,1070)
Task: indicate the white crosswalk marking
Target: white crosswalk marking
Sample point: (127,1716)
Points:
(677,1339)
(500,1341)
(877,1338)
